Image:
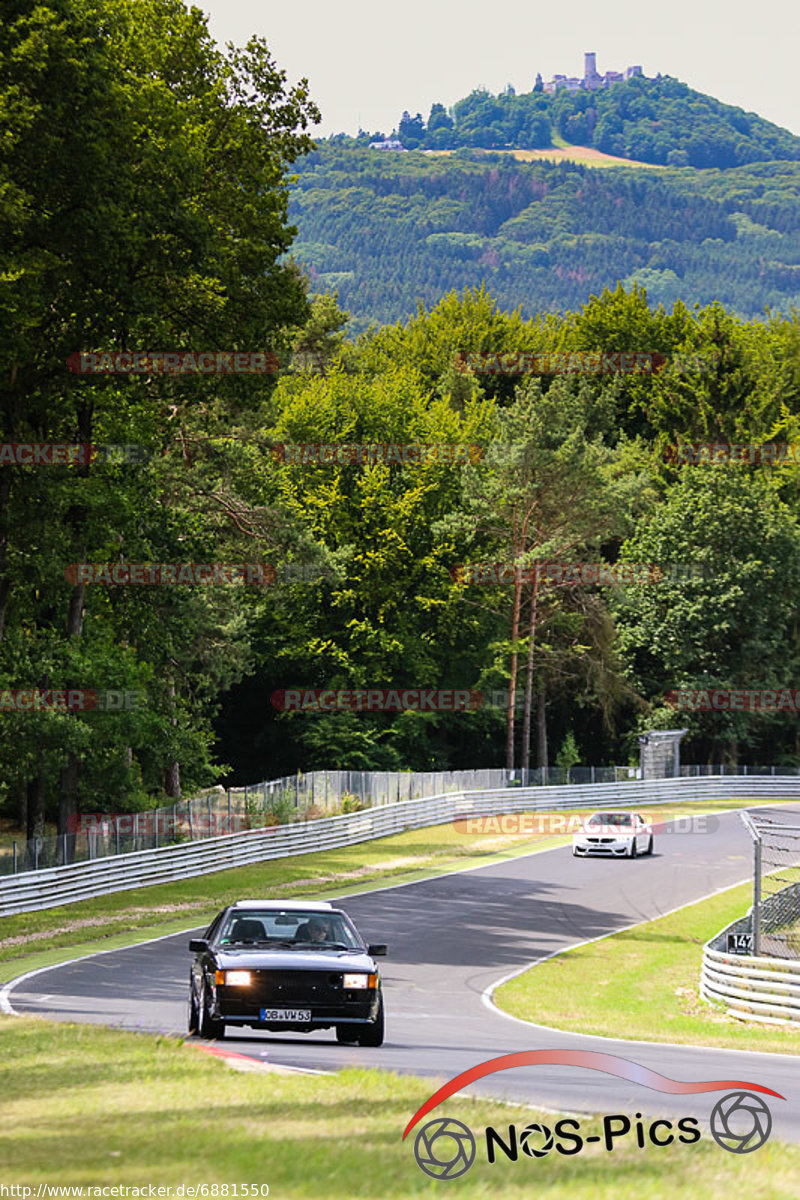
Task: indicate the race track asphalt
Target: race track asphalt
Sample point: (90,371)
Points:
(450,939)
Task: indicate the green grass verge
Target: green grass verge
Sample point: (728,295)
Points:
(643,985)
(165,908)
(90,1107)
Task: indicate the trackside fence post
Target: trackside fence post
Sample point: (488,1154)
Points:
(755,834)
(757,895)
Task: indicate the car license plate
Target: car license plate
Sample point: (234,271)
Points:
(286,1014)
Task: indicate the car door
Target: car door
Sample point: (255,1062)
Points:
(641,834)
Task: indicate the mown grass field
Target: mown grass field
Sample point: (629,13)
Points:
(563,152)
(88,1107)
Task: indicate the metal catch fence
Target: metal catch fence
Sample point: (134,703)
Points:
(775,916)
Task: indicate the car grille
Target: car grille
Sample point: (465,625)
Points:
(285,988)
(600,841)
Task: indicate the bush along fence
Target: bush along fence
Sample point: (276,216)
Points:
(219,811)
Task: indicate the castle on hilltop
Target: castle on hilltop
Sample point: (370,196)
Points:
(591,81)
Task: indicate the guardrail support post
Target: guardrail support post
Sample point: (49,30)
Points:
(757,895)
(15,858)
(191,823)
(36,854)
(297,790)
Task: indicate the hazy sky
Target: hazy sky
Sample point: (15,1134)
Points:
(366,62)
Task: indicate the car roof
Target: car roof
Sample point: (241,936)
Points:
(283,905)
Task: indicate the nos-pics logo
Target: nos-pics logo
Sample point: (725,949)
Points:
(445,1148)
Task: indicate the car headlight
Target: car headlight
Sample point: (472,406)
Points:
(234,978)
(353,982)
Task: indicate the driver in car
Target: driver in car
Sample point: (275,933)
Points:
(313,930)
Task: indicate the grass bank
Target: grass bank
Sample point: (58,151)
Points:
(89,1107)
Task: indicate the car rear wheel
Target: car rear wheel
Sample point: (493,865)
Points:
(346,1034)
(373,1034)
(649,849)
(210,1027)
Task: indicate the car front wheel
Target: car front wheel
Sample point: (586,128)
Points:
(373,1034)
(210,1027)
(632,851)
(194,1014)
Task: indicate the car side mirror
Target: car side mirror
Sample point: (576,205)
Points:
(377,950)
(198,945)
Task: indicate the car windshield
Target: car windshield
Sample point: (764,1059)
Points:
(614,820)
(290,927)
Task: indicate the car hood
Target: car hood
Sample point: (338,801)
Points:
(293,960)
(612,833)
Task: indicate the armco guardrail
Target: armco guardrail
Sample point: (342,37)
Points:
(64,885)
(754,989)
(219,811)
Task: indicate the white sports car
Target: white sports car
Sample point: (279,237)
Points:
(615,835)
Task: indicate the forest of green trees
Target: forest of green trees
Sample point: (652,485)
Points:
(387,230)
(576,467)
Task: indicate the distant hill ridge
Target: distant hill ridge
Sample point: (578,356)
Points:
(661,121)
(388,231)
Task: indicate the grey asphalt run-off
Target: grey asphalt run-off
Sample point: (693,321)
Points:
(450,939)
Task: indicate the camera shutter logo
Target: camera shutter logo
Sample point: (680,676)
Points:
(444,1148)
(735,1111)
(528,1140)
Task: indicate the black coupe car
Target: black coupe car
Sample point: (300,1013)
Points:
(277,965)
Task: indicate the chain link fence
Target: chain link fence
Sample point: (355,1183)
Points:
(775,918)
(219,811)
